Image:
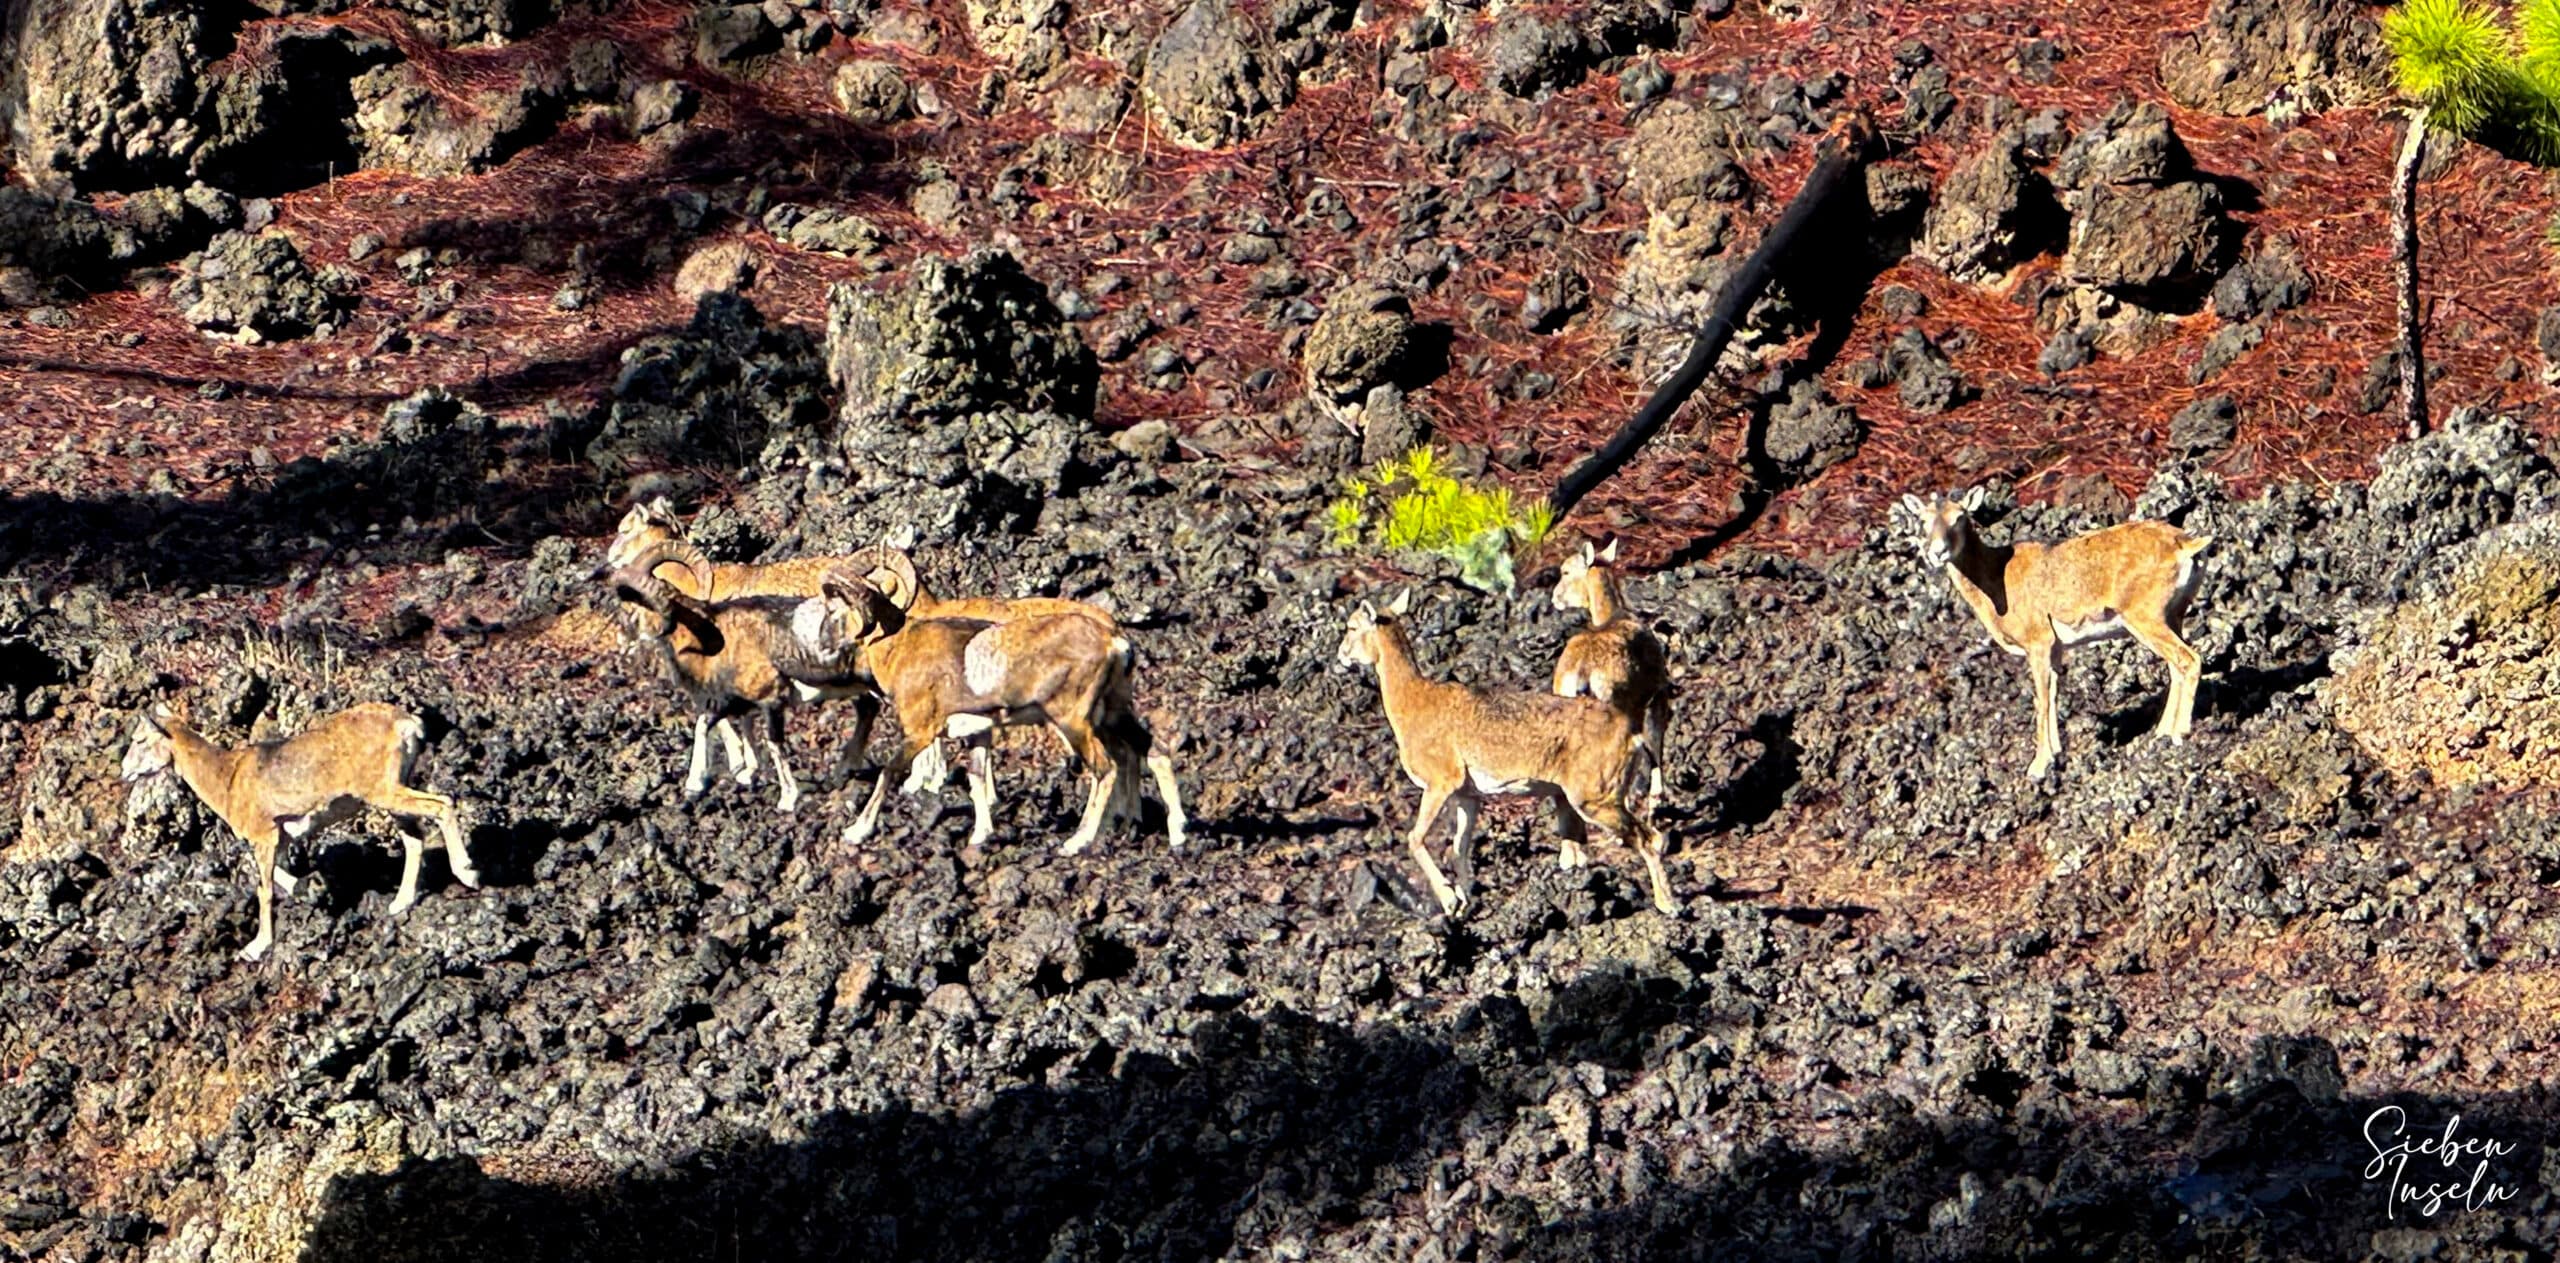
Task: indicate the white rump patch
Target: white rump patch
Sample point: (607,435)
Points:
(809,624)
(983,663)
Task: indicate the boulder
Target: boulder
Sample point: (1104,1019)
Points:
(2144,227)
(1809,433)
(723,267)
(1992,213)
(2205,426)
(2272,280)
(401,125)
(1027,37)
(1359,343)
(2158,245)
(256,287)
(105,94)
(2463,682)
(2255,55)
(728,36)
(1534,53)
(1922,375)
(872,92)
(1209,80)
(717,390)
(952,337)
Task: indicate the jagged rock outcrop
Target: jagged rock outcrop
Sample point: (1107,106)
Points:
(2145,227)
(720,389)
(1210,81)
(953,336)
(1994,211)
(105,94)
(2293,56)
(257,287)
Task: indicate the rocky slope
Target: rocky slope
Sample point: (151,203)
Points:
(1912,1007)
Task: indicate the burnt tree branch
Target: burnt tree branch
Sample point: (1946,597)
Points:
(1841,154)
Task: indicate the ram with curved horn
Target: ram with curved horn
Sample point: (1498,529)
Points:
(731,658)
(965,677)
(653,524)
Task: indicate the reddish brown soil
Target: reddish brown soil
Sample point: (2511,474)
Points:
(2321,185)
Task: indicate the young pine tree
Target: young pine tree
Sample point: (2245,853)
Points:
(2466,72)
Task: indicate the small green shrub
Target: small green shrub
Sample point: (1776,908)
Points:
(1414,504)
(2478,77)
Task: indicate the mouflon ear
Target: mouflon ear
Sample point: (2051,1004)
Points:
(1973,499)
(1610,554)
(1403,604)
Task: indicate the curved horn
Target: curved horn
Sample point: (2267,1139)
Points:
(892,573)
(683,552)
(846,584)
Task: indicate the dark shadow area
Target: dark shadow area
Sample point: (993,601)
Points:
(353,502)
(1129,1155)
(2241,693)
(1761,789)
(2244,693)
(1281,1131)
(1271,827)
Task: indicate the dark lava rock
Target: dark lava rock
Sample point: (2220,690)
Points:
(2314,54)
(2133,144)
(2067,349)
(106,94)
(872,92)
(460,21)
(404,126)
(2270,281)
(953,337)
(1808,433)
(1389,427)
(1921,374)
(2228,344)
(1025,37)
(596,69)
(1554,298)
(1642,81)
(2162,245)
(254,285)
(64,240)
(718,390)
(1928,99)
(2380,384)
(2205,426)
(728,36)
(660,105)
(1360,342)
(1209,80)
(825,228)
(1533,54)
(1679,152)
(1993,212)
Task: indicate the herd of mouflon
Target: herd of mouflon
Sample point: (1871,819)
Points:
(745,641)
